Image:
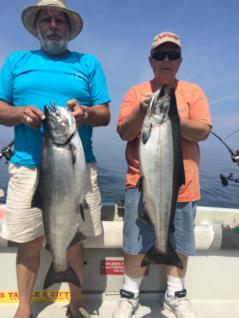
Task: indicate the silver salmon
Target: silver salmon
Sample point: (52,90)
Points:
(162,171)
(63,183)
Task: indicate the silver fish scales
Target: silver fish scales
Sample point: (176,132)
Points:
(161,165)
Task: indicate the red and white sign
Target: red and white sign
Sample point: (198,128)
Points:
(114,266)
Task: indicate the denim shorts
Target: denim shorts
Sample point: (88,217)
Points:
(138,236)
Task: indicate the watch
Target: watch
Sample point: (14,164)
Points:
(86,113)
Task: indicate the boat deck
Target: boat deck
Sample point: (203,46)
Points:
(149,308)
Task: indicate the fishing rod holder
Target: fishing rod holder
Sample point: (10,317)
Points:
(230,177)
(7,152)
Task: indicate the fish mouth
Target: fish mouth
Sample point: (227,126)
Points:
(52,113)
(57,125)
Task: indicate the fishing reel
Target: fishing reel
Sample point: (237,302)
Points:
(7,152)
(235,157)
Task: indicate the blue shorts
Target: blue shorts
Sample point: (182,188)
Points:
(138,236)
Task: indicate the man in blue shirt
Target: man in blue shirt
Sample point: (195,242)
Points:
(28,81)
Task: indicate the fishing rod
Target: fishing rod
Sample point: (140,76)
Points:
(7,151)
(234,154)
(235,158)
(232,133)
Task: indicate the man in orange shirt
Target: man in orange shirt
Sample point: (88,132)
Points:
(165,59)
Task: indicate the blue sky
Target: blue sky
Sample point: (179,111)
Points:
(119,34)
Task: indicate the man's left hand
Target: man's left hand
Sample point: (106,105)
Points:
(77,111)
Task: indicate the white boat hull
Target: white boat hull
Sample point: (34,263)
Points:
(211,281)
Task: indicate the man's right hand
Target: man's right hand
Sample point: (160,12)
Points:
(31,116)
(144,102)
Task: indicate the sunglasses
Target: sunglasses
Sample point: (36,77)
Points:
(161,55)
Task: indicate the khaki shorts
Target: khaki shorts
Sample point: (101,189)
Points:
(22,223)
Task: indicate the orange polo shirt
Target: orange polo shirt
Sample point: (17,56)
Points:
(192,104)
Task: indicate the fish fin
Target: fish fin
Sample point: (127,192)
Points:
(68,276)
(82,207)
(82,212)
(36,200)
(146,133)
(154,256)
(78,238)
(73,153)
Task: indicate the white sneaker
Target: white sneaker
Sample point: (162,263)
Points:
(127,305)
(179,305)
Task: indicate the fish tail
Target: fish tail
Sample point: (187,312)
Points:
(68,276)
(154,256)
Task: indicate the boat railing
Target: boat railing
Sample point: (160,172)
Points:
(215,229)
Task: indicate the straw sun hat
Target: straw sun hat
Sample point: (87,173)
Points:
(29,16)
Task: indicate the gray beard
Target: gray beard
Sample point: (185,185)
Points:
(54,47)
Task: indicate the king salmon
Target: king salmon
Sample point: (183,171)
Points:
(162,171)
(63,183)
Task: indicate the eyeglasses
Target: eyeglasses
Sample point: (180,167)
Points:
(161,55)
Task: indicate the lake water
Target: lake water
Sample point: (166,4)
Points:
(112,167)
